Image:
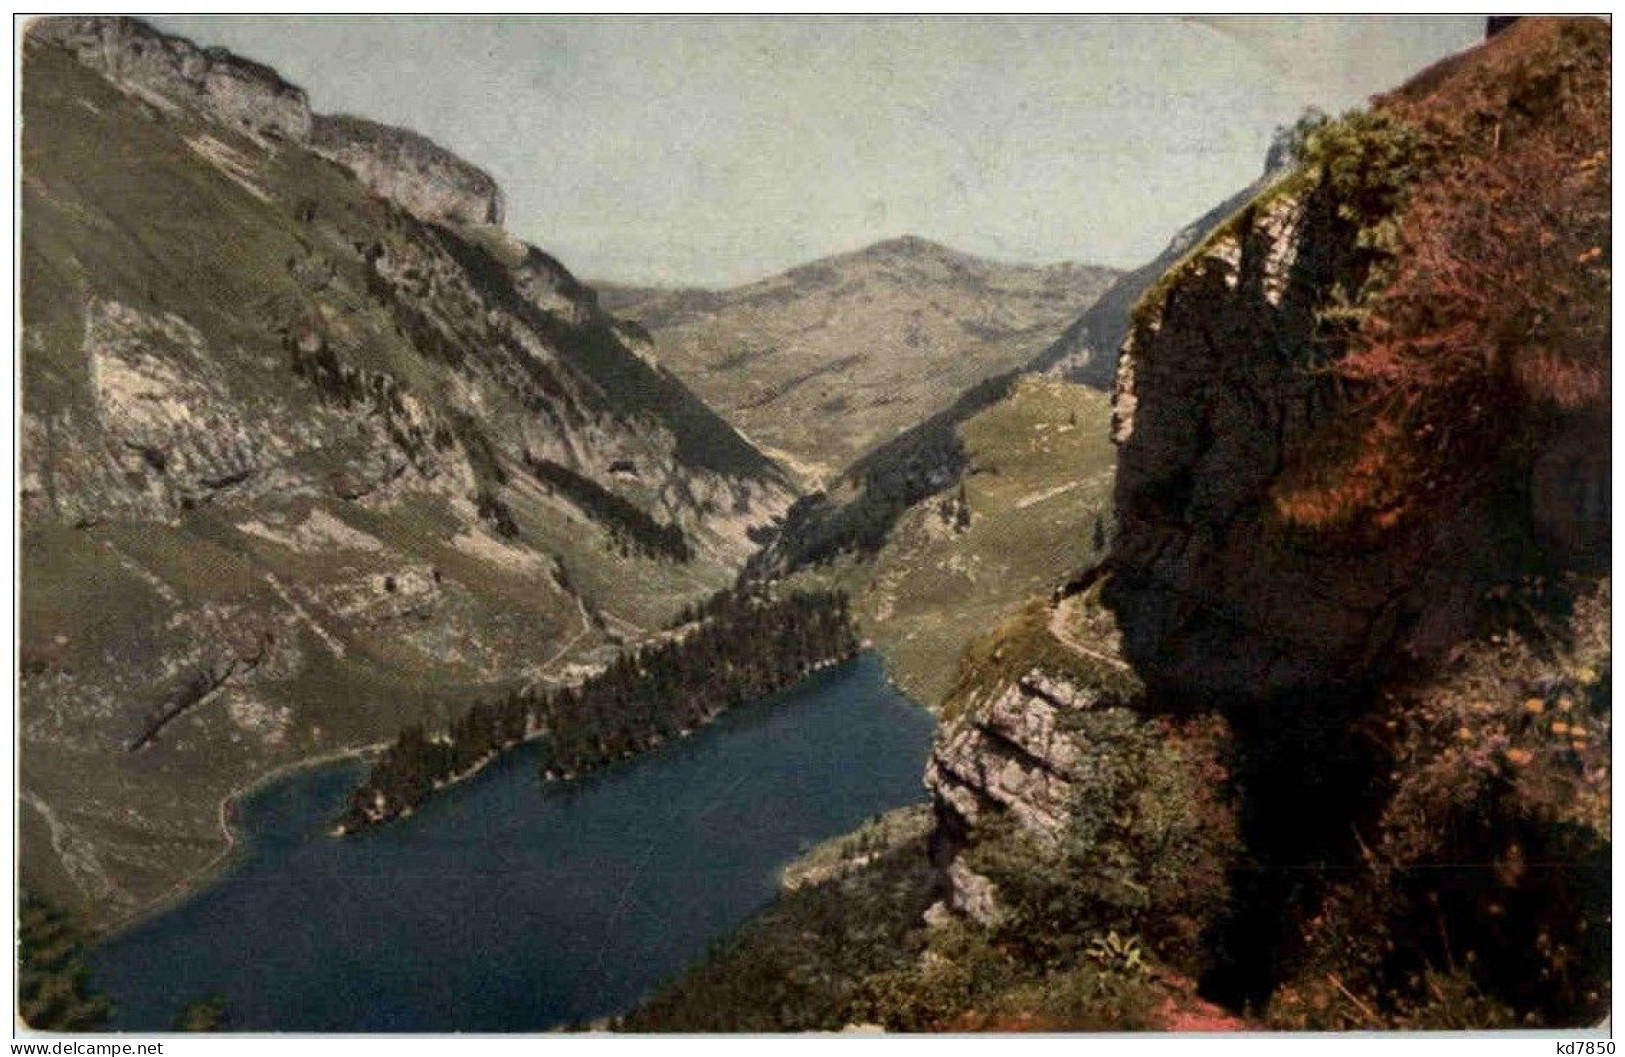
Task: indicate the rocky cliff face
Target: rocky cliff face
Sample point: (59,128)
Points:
(173,73)
(299,465)
(1223,396)
(1215,391)
(1016,755)
(1087,351)
(1388,757)
(405,167)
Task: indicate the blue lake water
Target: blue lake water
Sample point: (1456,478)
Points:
(509,904)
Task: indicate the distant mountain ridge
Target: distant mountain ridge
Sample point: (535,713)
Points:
(855,512)
(835,357)
(1087,351)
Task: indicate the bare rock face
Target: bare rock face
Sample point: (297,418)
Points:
(1011,757)
(1220,397)
(171,70)
(423,177)
(549,286)
(1014,754)
(1216,393)
(164,408)
(1069,764)
(1018,750)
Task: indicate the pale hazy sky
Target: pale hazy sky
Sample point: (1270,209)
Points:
(713,151)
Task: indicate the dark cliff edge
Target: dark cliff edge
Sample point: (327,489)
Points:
(1087,351)
(1355,617)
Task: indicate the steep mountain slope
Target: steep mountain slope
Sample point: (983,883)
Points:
(310,449)
(1087,351)
(1325,734)
(834,357)
(878,532)
(1355,616)
(855,513)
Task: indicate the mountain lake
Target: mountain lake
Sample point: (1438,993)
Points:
(510,904)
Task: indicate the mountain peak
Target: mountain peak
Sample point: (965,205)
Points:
(910,246)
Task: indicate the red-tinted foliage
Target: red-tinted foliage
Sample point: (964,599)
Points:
(1497,311)
(1500,297)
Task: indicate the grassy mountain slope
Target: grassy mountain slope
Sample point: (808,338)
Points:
(923,592)
(279,475)
(867,528)
(1037,508)
(832,358)
(1034,508)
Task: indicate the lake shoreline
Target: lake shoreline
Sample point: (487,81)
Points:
(535,907)
(211,871)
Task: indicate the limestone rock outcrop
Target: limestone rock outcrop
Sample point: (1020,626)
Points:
(1213,397)
(1220,392)
(1013,755)
(170,71)
(423,177)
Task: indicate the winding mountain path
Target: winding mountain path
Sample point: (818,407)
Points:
(1058,629)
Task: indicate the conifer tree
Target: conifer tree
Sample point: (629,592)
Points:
(53,984)
(746,646)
